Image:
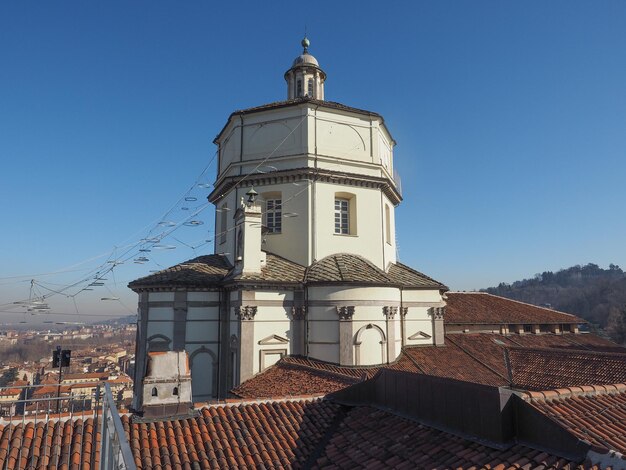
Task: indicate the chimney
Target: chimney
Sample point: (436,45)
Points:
(249,258)
(167,385)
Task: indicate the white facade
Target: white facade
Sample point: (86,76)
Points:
(309,266)
(309,156)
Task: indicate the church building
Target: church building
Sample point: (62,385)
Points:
(305,260)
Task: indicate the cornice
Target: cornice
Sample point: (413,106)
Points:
(228,183)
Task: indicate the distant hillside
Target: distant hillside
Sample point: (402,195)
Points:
(595,294)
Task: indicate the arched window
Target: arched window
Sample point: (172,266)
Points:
(311,88)
(175,391)
(155,392)
(299,87)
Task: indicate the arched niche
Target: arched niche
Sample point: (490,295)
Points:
(203,363)
(370,345)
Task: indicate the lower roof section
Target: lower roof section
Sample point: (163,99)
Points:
(275,434)
(214,271)
(487,359)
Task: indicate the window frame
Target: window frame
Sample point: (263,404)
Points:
(342,216)
(276,212)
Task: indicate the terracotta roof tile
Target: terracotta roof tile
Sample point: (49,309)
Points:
(480,307)
(542,369)
(371,438)
(470,357)
(595,417)
(296,376)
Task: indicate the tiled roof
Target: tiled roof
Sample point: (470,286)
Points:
(470,357)
(201,271)
(214,270)
(480,307)
(345,267)
(409,277)
(287,380)
(54,444)
(371,438)
(298,375)
(272,435)
(452,362)
(542,369)
(276,269)
(596,414)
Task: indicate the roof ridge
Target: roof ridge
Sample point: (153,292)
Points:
(255,401)
(569,351)
(574,391)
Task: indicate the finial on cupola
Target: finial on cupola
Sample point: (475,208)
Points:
(305,44)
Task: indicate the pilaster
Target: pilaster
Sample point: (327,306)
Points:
(246,314)
(141,349)
(346,354)
(298,316)
(390,314)
(180,319)
(437,314)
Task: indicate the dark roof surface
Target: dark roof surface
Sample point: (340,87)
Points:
(480,307)
(276,269)
(346,267)
(201,271)
(543,369)
(214,270)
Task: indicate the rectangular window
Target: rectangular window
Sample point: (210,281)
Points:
(223,222)
(310,90)
(342,216)
(299,88)
(273,215)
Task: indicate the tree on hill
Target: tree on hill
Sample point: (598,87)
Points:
(595,294)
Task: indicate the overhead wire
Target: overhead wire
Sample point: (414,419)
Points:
(149,241)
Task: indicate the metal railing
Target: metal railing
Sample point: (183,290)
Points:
(115,452)
(398,181)
(48,414)
(25,416)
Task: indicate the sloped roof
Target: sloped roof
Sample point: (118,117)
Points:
(595,414)
(347,267)
(480,307)
(276,269)
(542,369)
(285,434)
(470,357)
(214,270)
(371,438)
(202,271)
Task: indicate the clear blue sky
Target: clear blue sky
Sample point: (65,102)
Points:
(510,119)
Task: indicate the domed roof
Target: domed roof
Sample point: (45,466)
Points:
(305,59)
